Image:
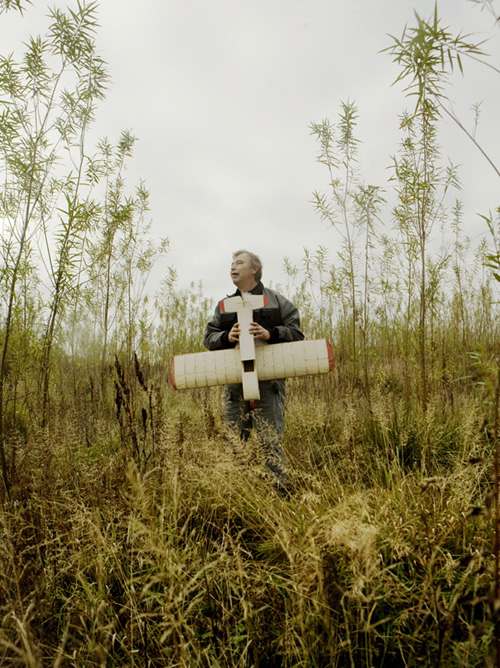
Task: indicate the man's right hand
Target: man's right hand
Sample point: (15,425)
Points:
(234,334)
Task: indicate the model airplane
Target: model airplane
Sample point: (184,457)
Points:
(248,364)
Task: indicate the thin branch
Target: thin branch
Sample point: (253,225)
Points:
(469,135)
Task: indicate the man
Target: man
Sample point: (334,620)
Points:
(277,322)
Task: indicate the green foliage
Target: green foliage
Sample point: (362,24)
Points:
(425,52)
(428,53)
(493,259)
(67,206)
(350,207)
(18,5)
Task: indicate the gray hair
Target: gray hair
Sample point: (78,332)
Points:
(255,262)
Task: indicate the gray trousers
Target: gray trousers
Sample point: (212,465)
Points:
(267,418)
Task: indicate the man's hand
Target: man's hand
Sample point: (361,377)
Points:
(234,334)
(259,332)
(256,330)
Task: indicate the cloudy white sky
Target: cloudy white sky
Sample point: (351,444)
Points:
(221,93)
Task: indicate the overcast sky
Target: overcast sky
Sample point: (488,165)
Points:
(221,93)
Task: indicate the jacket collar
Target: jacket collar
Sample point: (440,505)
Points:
(257,290)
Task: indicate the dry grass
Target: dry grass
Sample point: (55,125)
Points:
(189,559)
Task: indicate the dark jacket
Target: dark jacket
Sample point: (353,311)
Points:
(279,316)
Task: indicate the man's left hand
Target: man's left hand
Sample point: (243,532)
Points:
(259,332)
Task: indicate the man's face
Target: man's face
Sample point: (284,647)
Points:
(242,272)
